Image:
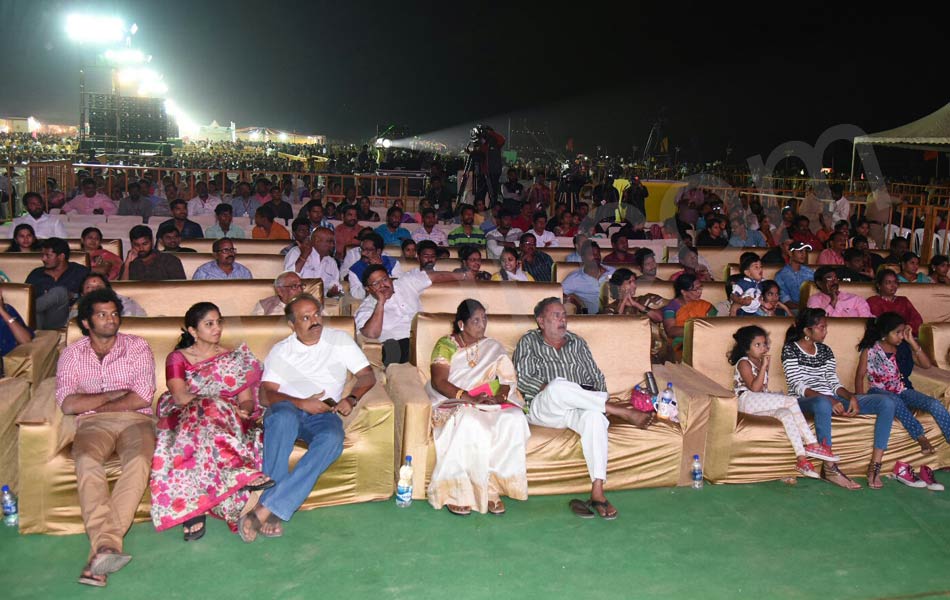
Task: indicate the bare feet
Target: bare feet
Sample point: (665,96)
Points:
(831,472)
(604,508)
(925,446)
(272,526)
(637,418)
(87,578)
(249,526)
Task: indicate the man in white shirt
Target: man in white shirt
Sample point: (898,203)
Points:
(203,203)
(371,253)
(286,286)
(546,239)
(503,236)
(430,230)
(840,208)
(302,388)
(315,260)
(44,225)
(386,314)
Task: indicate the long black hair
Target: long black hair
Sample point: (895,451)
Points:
(807,317)
(743,338)
(877,328)
(192,318)
(15,246)
(513,252)
(464,312)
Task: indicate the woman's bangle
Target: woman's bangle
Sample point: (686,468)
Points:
(458,394)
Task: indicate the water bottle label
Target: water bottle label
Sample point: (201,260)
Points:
(697,475)
(403,493)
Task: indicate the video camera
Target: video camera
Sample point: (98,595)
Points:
(478,137)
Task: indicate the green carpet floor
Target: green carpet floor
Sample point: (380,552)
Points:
(752,541)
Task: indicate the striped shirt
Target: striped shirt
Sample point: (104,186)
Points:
(817,371)
(458,237)
(538,363)
(128,366)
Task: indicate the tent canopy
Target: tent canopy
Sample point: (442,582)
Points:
(927,133)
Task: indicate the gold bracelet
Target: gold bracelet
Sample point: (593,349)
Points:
(458,394)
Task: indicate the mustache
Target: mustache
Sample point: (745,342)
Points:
(314,326)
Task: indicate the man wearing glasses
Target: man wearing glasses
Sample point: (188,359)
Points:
(834,302)
(371,252)
(287,285)
(223,266)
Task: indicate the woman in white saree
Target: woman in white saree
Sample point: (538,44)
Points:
(478,420)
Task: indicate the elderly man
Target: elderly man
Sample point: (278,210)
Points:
(302,388)
(224,226)
(564,388)
(107,379)
(90,201)
(582,287)
(135,204)
(386,315)
(203,203)
(390,231)
(145,263)
(187,228)
(836,303)
(371,253)
(56,284)
(224,265)
(314,260)
(430,229)
(287,285)
(44,225)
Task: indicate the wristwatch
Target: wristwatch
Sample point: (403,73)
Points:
(353,399)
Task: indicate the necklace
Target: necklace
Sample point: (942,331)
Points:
(471,352)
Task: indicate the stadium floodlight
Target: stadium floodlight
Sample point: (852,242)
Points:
(282,137)
(95,29)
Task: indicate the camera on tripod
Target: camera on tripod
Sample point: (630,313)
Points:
(478,137)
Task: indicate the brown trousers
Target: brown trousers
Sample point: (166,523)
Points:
(131,436)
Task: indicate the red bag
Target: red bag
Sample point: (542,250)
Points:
(641,401)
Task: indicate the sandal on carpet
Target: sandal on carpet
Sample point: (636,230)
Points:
(833,474)
(874,476)
(87,578)
(255,527)
(192,534)
(581,508)
(272,519)
(257,487)
(462,511)
(496,507)
(108,560)
(607,507)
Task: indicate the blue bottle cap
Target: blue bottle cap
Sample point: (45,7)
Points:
(695,457)
(5,488)
(408,459)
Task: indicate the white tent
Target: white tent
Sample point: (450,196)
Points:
(927,133)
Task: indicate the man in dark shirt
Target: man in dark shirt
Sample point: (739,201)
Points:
(171,239)
(855,267)
(187,228)
(539,264)
(713,234)
(55,284)
(144,263)
(282,210)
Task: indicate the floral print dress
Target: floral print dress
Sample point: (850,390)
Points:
(205,453)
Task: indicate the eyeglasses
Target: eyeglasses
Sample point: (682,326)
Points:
(227,251)
(293,286)
(375,285)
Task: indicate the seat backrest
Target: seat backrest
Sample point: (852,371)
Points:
(714,292)
(17,265)
(560,253)
(489,265)
(162,334)
(498,297)
(932,301)
(719,259)
(768,271)
(935,339)
(262,266)
(707,342)
(20,297)
(248,246)
(235,297)
(75,244)
(620,344)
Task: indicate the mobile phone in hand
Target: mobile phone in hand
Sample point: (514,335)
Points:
(331,403)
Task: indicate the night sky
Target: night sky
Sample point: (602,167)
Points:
(746,77)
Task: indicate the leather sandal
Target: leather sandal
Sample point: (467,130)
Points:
(462,511)
(837,477)
(874,476)
(107,561)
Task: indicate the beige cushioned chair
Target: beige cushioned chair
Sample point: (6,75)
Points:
(14,396)
(235,297)
(262,266)
(931,301)
(36,360)
(935,340)
(245,246)
(17,265)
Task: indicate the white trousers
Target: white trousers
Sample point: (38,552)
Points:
(785,409)
(566,405)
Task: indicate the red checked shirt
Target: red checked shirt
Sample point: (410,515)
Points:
(128,366)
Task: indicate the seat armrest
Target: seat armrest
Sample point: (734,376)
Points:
(34,361)
(43,414)
(933,382)
(406,385)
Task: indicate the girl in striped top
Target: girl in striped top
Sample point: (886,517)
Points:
(811,374)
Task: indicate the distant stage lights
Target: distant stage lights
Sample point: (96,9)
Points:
(126,56)
(95,29)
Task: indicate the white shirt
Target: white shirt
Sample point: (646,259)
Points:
(356,286)
(544,238)
(841,209)
(197,207)
(302,370)
(437,236)
(494,239)
(314,268)
(349,259)
(400,309)
(45,227)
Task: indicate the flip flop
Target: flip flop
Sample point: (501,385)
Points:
(87,578)
(581,508)
(195,535)
(606,505)
(496,507)
(462,511)
(257,487)
(108,560)
(271,519)
(255,527)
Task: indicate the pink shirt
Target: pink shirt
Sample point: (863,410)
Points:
(84,205)
(848,305)
(830,257)
(128,366)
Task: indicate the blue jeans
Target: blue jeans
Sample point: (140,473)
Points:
(882,405)
(284,424)
(912,399)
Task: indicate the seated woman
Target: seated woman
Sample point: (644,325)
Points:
(208,444)
(887,300)
(770,306)
(100,260)
(13,331)
(888,355)
(811,374)
(409,250)
(24,239)
(471,258)
(939,266)
(478,422)
(750,357)
(364,210)
(687,304)
(511,267)
(622,288)
(96,281)
(910,269)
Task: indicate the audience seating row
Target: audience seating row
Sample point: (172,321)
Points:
(235,298)
(931,301)
(18,265)
(75,244)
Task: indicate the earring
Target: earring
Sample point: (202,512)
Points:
(807,339)
(461,327)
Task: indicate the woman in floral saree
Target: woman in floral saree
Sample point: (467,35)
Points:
(208,445)
(478,421)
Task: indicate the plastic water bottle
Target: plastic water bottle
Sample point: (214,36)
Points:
(672,409)
(11,517)
(404,487)
(697,473)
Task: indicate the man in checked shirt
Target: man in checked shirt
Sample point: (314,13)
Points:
(107,379)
